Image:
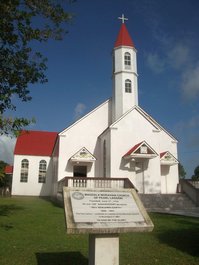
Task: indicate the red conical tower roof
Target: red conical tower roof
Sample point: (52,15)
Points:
(123,38)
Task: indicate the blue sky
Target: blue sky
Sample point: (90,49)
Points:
(166,36)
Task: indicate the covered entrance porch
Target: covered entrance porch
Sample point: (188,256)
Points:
(139,156)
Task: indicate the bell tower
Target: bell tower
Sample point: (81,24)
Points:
(125,87)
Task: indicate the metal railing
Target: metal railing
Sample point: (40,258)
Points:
(95,183)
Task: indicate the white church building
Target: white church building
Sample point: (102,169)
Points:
(117,139)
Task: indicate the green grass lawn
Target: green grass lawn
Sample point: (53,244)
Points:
(32,232)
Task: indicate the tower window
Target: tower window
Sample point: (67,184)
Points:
(42,171)
(128,88)
(24,170)
(127,60)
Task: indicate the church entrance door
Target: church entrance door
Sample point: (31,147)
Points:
(139,169)
(80,171)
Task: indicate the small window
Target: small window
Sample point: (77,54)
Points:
(128,88)
(42,171)
(24,170)
(127,60)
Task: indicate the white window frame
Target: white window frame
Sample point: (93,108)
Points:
(24,170)
(127,60)
(128,86)
(42,171)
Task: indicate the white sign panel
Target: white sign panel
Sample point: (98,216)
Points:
(104,211)
(104,207)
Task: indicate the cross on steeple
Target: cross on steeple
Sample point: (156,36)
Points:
(123,18)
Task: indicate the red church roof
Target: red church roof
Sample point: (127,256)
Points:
(123,38)
(36,143)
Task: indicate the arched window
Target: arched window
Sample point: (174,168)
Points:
(128,88)
(42,171)
(24,170)
(127,60)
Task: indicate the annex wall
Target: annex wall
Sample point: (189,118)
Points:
(31,187)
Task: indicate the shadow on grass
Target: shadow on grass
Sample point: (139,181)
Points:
(54,202)
(8,209)
(185,240)
(7,226)
(61,258)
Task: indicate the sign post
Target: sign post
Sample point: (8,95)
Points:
(104,214)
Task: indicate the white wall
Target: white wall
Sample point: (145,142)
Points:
(169,176)
(84,133)
(132,129)
(32,187)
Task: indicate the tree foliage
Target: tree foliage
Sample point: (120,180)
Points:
(196,174)
(2,173)
(21,23)
(181,170)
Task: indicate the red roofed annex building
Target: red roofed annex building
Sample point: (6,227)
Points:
(32,174)
(123,141)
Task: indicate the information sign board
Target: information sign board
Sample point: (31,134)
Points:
(104,211)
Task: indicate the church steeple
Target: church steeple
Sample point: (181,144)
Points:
(125,92)
(123,38)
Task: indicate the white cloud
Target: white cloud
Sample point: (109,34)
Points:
(6,148)
(179,55)
(79,110)
(175,56)
(188,125)
(190,82)
(181,58)
(155,63)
